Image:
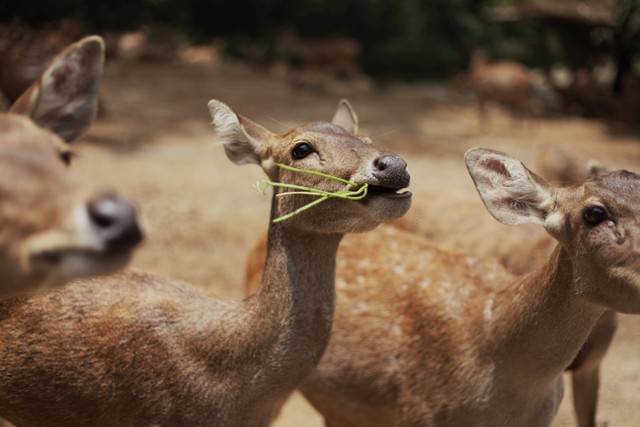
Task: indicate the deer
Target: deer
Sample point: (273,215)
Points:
(134,349)
(425,335)
(321,60)
(465,229)
(505,82)
(470,235)
(51,229)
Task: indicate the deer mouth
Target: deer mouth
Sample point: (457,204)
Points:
(73,259)
(82,262)
(389,192)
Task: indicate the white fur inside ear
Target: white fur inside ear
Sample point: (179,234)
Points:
(510,192)
(238,146)
(65,98)
(554,222)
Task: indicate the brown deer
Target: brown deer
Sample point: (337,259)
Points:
(505,82)
(50,230)
(426,336)
(140,350)
(465,228)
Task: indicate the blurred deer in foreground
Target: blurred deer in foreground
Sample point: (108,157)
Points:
(369,377)
(504,82)
(50,230)
(140,350)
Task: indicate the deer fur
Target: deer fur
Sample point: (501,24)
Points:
(141,350)
(51,230)
(432,337)
(465,228)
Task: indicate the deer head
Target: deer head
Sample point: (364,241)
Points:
(330,148)
(50,229)
(596,223)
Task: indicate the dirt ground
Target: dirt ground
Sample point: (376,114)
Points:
(154,144)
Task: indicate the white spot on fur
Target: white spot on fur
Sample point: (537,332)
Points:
(396,330)
(487,313)
(365,263)
(554,221)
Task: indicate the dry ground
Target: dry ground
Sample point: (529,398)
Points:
(154,143)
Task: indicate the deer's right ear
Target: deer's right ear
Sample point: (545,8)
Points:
(64,99)
(244,141)
(511,192)
(345,117)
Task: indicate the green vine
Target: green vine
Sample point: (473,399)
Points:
(358,194)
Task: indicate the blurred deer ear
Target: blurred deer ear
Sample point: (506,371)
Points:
(511,192)
(64,99)
(244,141)
(594,169)
(345,117)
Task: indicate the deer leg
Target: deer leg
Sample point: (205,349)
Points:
(585,395)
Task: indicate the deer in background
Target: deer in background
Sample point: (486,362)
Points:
(51,230)
(428,336)
(465,228)
(140,350)
(322,60)
(505,82)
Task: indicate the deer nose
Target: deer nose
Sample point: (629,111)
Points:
(116,221)
(391,170)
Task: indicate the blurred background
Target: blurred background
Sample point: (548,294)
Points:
(555,83)
(586,50)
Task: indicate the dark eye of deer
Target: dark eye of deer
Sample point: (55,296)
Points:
(301,150)
(66,157)
(594,215)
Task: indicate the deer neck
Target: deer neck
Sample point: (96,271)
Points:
(293,311)
(546,321)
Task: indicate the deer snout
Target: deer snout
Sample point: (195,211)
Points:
(391,171)
(115,220)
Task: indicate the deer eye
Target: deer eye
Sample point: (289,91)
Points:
(301,150)
(66,157)
(594,214)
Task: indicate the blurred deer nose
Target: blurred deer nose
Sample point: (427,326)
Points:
(116,221)
(391,171)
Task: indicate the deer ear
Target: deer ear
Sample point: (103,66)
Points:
(511,192)
(244,141)
(345,117)
(594,169)
(64,99)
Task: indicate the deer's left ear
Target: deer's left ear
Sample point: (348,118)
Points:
(64,99)
(510,192)
(345,117)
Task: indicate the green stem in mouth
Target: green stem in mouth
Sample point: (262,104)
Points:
(358,194)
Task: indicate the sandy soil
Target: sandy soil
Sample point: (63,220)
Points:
(154,143)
